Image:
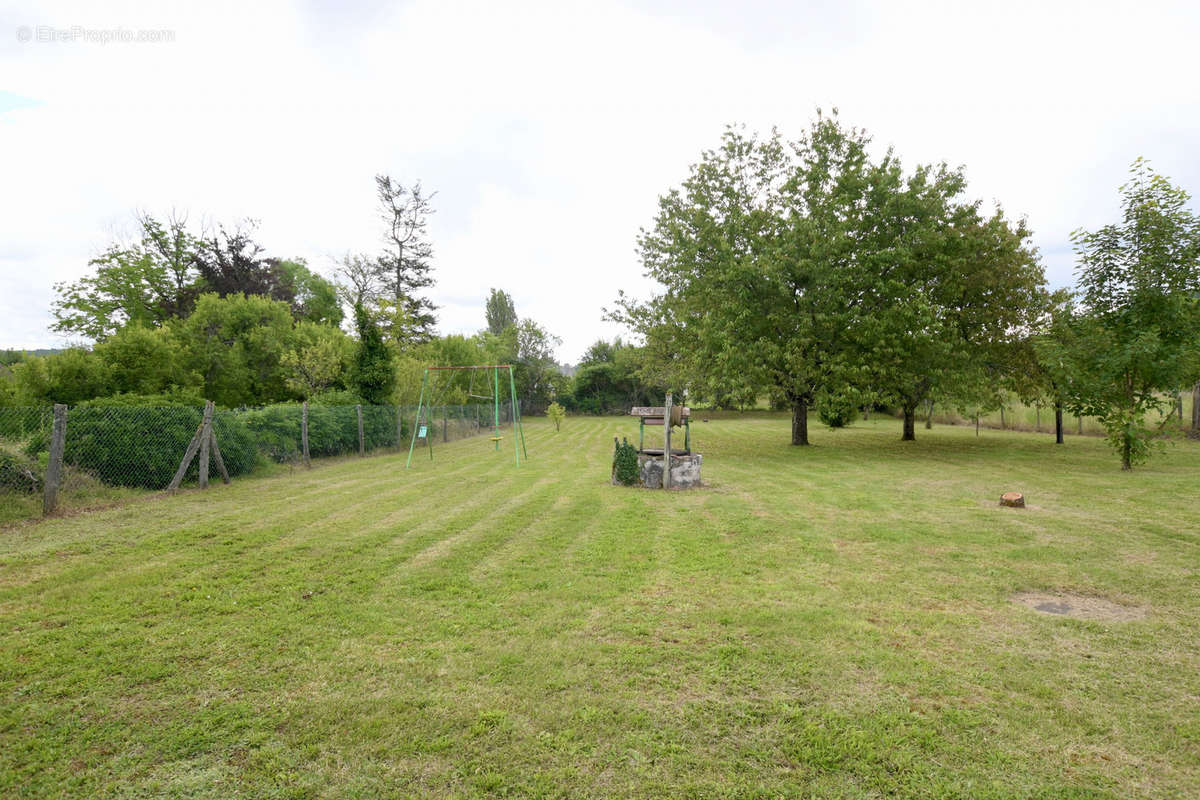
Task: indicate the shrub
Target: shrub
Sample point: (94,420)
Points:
(19,473)
(332,427)
(625,464)
(836,412)
(20,422)
(124,444)
(276,430)
(557,414)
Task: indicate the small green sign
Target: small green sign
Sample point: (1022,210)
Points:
(421,432)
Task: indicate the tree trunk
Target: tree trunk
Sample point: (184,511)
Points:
(800,421)
(1002,426)
(910,423)
(929,415)
(1126,450)
(976,426)
(1079,420)
(1196,407)
(1037,424)
(1179,406)
(1058,425)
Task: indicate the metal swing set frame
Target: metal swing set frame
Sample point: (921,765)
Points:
(422,430)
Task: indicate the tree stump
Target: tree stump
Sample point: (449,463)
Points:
(1012,500)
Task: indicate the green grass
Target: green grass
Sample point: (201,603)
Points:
(80,493)
(824,622)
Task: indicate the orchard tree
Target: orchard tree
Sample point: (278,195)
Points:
(1133,339)
(723,321)
(810,271)
(944,290)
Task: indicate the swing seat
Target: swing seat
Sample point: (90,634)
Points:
(495,438)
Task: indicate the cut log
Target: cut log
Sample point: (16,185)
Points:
(1012,500)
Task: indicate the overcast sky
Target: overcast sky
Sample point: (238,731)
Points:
(548,129)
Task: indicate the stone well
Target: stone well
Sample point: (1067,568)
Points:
(685,470)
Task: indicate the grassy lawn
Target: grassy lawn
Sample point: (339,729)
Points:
(834,621)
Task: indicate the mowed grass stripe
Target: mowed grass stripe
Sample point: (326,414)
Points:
(832,621)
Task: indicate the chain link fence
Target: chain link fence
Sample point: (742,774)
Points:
(142,447)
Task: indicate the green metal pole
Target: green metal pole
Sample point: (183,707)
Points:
(517,411)
(496,409)
(416,425)
(512,396)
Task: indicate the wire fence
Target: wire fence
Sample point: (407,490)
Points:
(144,447)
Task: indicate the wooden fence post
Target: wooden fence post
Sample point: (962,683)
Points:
(400,427)
(58,440)
(205,443)
(362,446)
(1196,407)
(216,453)
(304,434)
(445,432)
(188,455)
(666,482)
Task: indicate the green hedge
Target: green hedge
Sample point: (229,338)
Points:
(127,445)
(19,473)
(332,429)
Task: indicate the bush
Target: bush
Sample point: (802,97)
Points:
(123,444)
(332,427)
(20,422)
(836,412)
(276,430)
(625,464)
(19,473)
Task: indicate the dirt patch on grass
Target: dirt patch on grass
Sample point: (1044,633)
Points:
(1079,606)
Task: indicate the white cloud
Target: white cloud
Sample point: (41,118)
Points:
(549,129)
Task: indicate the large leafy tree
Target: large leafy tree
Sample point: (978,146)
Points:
(318,360)
(231,262)
(147,361)
(500,310)
(945,290)
(70,376)
(756,253)
(811,271)
(311,297)
(235,344)
(1133,338)
(147,282)
(713,248)
(609,380)
(536,373)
